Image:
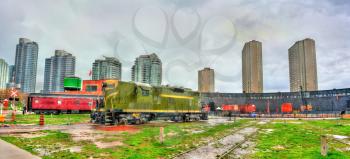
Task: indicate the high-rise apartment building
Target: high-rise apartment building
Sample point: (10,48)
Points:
(26,64)
(11,76)
(252,67)
(3,74)
(206,80)
(56,69)
(108,68)
(303,66)
(147,69)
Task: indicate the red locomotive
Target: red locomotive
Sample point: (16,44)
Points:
(62,103)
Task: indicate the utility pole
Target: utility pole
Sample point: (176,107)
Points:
(303,101)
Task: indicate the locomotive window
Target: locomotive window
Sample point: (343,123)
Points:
(145,92)
(91,88)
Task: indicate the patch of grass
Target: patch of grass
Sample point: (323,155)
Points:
(143,144)
(146,144)
(51,119)
(300,140)
(52,141)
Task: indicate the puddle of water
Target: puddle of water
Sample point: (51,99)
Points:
(30,135)
(340,137)
(103,145)
(76,149)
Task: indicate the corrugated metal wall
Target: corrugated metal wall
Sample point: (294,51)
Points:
(325,101)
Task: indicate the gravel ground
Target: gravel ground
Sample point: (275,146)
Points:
(244,151)
(213,149)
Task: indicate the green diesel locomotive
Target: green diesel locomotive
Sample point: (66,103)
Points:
(128,102)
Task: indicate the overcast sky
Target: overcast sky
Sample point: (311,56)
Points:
(187,35)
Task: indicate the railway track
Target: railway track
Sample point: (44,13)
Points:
(237,145)
(215,140)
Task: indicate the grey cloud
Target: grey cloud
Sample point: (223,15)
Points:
(90,29)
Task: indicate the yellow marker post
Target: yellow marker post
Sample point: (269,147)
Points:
(161,135)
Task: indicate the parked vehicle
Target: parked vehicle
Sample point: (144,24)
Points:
(61,103)
(136,103)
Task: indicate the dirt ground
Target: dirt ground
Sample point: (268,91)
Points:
(89,132)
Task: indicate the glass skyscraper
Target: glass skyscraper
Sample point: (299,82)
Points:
(26,64)
(108,68)
(56,69)
(147,69)
(11,73)
(3,73)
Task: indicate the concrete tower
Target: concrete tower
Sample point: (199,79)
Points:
(252,68)
(303,66)
(206,80)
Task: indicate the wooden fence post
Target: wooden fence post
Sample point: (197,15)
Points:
(161,135)
(324,147)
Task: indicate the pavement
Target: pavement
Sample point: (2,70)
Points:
(9,151)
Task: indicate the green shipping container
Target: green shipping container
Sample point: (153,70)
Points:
(72,83)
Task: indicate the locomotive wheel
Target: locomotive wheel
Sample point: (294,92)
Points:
(143,120)
(116,122)
(196,119)
(138,121)
(123,121)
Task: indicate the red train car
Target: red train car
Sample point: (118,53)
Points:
(247,108)
(230,108)
(62,103)
(287,108)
